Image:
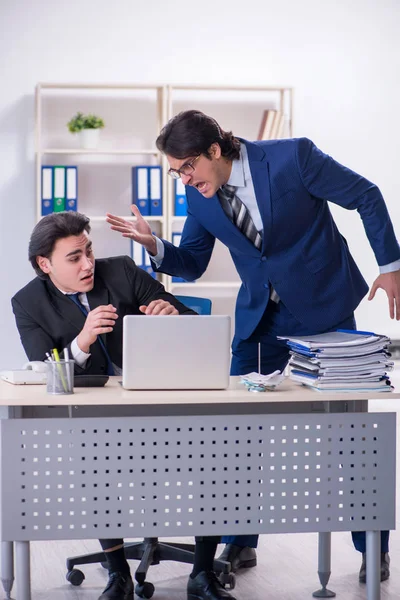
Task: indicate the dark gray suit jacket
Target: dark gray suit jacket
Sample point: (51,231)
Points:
(48,319)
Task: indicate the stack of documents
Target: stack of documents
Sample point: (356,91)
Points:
(343,361)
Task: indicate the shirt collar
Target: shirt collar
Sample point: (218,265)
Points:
(237,176)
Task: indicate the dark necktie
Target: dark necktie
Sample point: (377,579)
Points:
(110,368)
(239,214)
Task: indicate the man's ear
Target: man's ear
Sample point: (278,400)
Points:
(43,264)
(215,150)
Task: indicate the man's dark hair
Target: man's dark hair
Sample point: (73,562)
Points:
(191,133)
(49,230)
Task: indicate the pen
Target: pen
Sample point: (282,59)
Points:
(57,360)
(68,366)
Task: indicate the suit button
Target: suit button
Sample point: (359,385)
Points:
(263,258)
(266,285)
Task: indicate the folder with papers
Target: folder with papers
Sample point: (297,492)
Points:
(341,360)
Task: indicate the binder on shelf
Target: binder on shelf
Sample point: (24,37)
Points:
(146,264)
(71,191)
(140,189)
(136,253)
(59,188)
(180,202)
(176,240)
(155,191)
(141,258)
(47,190)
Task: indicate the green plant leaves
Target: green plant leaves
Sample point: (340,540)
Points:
(81,121)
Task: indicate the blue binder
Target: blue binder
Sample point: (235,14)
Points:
(155,188)
(47,190)
(176,240)
(180,203)
(146,264)
(136,253)
(71,188)
(140,189)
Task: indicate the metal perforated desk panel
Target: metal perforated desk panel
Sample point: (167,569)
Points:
(205,463)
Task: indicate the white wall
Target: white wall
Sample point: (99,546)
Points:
(341,57)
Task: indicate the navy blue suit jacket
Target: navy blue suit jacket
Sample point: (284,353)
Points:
(303,254)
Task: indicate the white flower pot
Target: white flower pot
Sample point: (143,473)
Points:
(89,138)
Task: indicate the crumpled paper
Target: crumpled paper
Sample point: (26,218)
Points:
(256,382)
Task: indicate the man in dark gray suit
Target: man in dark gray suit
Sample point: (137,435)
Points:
(77,302)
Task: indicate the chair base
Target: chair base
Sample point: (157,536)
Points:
(149,552)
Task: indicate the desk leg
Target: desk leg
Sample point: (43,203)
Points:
(23,564)
(373,539)
(324,565)
(7,567)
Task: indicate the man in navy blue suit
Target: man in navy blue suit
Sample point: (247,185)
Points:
(267,201)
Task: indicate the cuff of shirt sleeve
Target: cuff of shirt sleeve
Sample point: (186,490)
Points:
(390,268)
(79,356)
(159,257)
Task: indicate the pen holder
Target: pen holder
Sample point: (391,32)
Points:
(60,377)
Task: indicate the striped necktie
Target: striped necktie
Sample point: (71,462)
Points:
(239,214)
(75,299)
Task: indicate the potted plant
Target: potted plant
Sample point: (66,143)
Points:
(87,127)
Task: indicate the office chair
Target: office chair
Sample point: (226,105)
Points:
(150,551)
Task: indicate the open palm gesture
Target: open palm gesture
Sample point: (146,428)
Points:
(138,230)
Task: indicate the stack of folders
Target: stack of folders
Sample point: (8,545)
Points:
(59,188)
(342,361)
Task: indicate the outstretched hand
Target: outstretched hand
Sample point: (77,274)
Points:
(390,282)
(138,230)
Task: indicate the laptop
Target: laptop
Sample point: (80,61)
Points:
(173,352)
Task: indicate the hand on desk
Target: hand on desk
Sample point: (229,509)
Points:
(390,282)
(100,320)
(138,231)
(159,307)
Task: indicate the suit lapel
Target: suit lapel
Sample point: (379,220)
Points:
(259,168)
(65,307)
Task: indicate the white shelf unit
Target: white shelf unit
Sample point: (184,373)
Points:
(133,115)
(238,109)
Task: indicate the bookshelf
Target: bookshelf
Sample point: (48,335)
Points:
(134,115)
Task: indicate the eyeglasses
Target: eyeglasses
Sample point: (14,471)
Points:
(185,169)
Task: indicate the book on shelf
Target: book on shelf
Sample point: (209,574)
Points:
(272,125)
(266,124)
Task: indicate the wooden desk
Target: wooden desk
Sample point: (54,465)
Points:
(106,462)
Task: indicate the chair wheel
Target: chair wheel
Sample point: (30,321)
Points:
(228,580)
(75,577)
(104,564)
(146,590)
